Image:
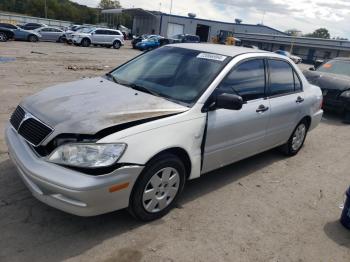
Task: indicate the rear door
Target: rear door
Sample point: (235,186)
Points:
(286,99)
(236,134)
(46,34)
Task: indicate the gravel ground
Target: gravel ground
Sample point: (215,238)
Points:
(266,208)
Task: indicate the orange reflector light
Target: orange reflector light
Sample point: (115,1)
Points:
(327,66)
(118,187)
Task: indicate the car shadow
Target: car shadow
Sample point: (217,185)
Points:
(338,233)
(31,230)
(332,118)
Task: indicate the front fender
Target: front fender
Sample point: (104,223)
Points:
(142,146)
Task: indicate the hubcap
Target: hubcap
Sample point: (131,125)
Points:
(161,189)
(298,137)
(2,37)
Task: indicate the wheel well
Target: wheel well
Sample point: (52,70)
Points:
(85,38)
(307,119)
(117,40)
(180,153)
(32,35)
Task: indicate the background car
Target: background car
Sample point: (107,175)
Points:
(50,34)
(149,43)
(99,36)
(333,77)
(21,34)
(5,34)
(137,39)
(251,46)
(32,26)
(185,38)
(68,34)
(296,59)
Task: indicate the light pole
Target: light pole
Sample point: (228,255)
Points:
(171,5)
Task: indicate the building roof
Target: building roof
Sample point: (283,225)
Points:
(226,50)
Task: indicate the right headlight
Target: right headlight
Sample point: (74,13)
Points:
(87,155)
(345,94)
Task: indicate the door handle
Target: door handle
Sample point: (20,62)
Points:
(299,100)
(262,109)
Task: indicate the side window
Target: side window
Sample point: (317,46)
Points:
(246,80)
(281,77)
(99,32)
(297,83)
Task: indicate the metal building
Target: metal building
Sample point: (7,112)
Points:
(153,22)
(264,37)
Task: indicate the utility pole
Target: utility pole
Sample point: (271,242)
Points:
(262,21)
(45,9)
(171,5)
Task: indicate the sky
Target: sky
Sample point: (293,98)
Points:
(304,15)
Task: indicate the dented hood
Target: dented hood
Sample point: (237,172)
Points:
(90,105)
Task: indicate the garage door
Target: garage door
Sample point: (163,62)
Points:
(175,29)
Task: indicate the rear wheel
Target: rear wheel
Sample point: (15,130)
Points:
(33,38)
(3,37)
(158,188)
(296,140)
(85,42)
(116,45)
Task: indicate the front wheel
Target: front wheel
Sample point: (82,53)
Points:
(296,140)
(3,37)
(33,38)
(158,188)
(85,42)
(346,119)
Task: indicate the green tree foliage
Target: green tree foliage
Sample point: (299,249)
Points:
(56,9)
(109,4)
(320,33)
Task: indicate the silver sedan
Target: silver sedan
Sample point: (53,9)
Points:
(50,34)
(132,138)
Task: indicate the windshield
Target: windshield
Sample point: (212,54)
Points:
(85,30)
(338,67)
(178,74)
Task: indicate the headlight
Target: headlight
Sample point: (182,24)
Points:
(345,94)
(87,155)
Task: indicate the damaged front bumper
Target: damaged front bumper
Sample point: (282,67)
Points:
(68,190)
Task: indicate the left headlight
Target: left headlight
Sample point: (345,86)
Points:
(87,155)
(346,94)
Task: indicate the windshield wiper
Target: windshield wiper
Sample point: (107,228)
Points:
(142,89)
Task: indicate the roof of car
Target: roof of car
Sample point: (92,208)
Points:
(342,58)
(218,49)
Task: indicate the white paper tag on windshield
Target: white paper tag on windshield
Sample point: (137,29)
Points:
(212,56)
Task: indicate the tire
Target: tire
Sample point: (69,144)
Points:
(33,38)
(158,188)
(296,140)
(85,42)
(60,39)
(116,45)
(346,119)
(3,37)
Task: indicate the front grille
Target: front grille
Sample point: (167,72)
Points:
(17,117)
(30,128)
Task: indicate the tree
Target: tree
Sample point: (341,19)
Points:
(320,33)
(109,4)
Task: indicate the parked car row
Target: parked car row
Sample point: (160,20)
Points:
(77,35)
(149,42)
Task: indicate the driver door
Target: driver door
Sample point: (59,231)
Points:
(233,135)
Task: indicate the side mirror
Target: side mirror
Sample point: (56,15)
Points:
(229,101)
(93,33)
(312,69)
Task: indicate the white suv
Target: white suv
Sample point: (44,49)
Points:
(99,36)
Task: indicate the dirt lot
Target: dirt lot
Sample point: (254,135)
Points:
(266,208)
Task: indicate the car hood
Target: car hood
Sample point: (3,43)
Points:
(327,80)
(90,105)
